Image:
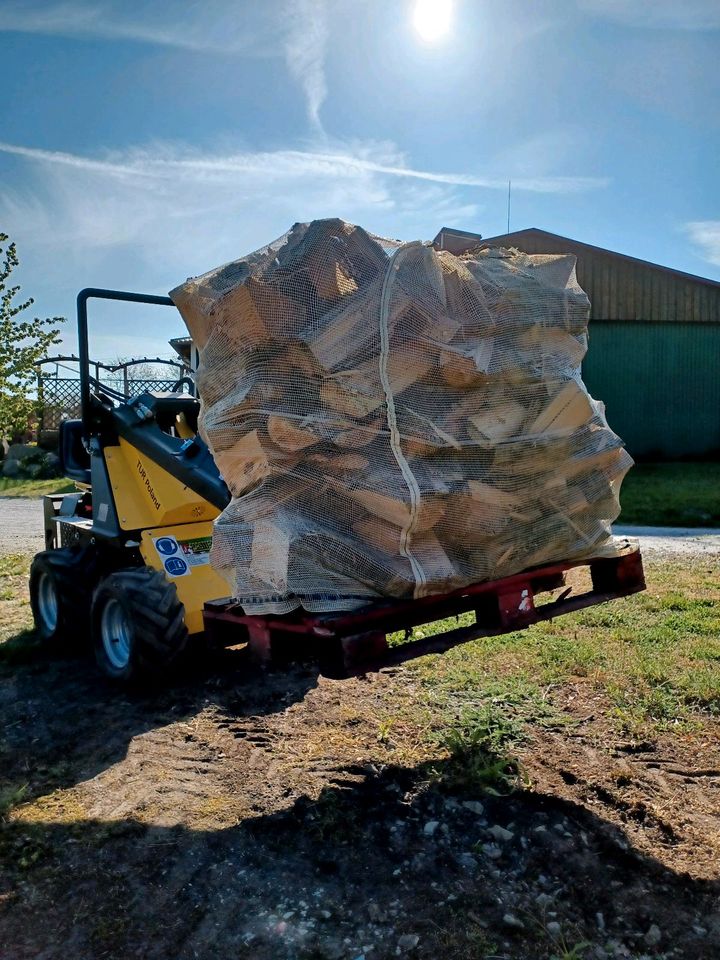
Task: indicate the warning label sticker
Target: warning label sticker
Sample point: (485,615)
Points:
(179,556)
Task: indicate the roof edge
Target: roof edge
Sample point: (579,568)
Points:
(613,253)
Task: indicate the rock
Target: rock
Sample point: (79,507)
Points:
(18,451)
(474,806)
(376,912)
(430,827)
(500,833)
(515,923)
(11,468)
(408,942)
(553,928)
(467,861)
(52,463)
(543,900)
(491,850)
(653,936)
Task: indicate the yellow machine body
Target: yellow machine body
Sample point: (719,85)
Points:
(148,496)
(176,525)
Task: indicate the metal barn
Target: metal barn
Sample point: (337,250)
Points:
(654,354)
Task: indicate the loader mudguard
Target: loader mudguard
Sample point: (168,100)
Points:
(139,422)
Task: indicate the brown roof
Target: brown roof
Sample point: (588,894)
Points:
(536,232)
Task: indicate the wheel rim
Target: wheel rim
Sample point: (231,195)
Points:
(47,603)
(116,634)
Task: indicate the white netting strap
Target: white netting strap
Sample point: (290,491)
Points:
(409,477)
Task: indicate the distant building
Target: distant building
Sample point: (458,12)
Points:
(654,355)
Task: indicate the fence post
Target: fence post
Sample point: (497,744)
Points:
(40,405)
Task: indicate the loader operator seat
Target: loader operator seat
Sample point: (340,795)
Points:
(74,457)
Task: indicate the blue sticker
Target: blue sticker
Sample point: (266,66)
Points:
(176,566)
(166,546)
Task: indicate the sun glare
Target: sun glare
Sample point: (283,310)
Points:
(432,18)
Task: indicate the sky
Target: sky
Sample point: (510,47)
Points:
(145,141)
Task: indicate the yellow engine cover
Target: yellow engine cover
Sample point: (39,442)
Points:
(181,553)
(148,496)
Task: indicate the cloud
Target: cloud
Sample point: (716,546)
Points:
(147,217)
(705,234)
(658,14)
(305,44)
(214,25)
(171,163)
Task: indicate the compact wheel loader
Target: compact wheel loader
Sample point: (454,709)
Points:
(127,563)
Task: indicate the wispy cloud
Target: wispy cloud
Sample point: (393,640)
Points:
(305,43)
(213,25)
(165,163)
(658,14)
(145,218)
(705,234)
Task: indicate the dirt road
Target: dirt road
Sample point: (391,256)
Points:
(21,525)
(21,531)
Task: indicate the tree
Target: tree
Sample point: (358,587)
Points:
(22,343)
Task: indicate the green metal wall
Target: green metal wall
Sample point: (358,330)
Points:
(660,383)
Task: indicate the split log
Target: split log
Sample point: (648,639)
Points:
(569,409)
(430,511)
(292,435)
(270,555)
(498,422)
(255,312)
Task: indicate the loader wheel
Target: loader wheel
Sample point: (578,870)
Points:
(138,624)
(61,585)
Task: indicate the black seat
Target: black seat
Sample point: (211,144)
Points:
(74,458)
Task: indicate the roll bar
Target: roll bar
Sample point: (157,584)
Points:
(98,293)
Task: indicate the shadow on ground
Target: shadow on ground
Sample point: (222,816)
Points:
(394,861)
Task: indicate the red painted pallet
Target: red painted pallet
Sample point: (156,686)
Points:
(348,644)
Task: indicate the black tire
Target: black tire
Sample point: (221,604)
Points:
(61,589)
(137,625)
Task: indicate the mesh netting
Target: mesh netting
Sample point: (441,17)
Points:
(396,421)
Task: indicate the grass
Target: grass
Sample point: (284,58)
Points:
(654,658)
(15,616)
(672,495)
(11,487)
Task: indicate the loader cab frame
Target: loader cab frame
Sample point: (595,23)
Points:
(127,558)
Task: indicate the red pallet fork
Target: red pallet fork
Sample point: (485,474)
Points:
(349,644)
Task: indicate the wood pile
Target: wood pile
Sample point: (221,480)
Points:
(395,421)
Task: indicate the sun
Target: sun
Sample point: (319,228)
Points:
(432,18)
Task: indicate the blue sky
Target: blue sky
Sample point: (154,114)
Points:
(144,142)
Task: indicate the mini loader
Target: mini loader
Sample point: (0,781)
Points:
(126,565)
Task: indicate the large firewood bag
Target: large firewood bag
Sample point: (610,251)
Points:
(396,421)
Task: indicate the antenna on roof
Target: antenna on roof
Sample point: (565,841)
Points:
(509,185)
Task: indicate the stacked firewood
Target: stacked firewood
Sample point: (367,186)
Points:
(395,421)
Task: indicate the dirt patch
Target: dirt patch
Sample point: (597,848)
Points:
(279,815)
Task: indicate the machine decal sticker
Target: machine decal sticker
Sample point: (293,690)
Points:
(176,567)
(196,552)
(166,546)
(178,556)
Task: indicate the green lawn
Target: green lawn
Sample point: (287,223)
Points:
(653,658)
(34,488)
(672,495)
